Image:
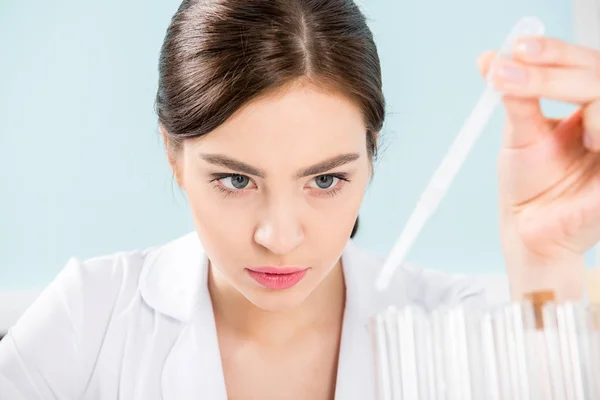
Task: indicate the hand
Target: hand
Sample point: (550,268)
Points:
(549,170)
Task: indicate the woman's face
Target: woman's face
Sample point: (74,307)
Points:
(279,185)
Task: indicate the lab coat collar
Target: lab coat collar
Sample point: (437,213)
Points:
(356,374)
(173,282)
(172,277)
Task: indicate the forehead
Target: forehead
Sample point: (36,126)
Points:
(296,125)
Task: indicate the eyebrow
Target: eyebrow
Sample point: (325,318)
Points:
(224,161)
(319,168)
(328,164)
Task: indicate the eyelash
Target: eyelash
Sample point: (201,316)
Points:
(343,177)
(226,192)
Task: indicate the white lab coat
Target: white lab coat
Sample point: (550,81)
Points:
(140,326)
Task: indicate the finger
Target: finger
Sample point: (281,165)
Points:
(484,61)
(572,85)
(549,51)
(591,126)
(525,122)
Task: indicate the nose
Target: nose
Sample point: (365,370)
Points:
(280,231)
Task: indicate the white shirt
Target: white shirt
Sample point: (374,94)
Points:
(140,326)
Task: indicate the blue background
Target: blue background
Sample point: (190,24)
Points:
(83,170)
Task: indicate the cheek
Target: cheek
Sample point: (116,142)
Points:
(225,236)
(333,219)
(222,224)
(222,221)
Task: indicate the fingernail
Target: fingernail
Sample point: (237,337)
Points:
(511,73)
(529,47)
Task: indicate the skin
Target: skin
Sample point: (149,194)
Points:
(549,178)
(281,218)
(549,170)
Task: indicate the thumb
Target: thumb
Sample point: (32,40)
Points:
(526,123)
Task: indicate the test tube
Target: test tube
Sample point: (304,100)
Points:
(535,354)
(382,365)
(511,352)
(407,353)
(490,362)
(437,342)
(508,352)
(423,353)
(462,359)
(594,331)
(502,355)
(475,353)
(451,373)
(392,327)
(565,351)
(574,356)
(555,364)
(583,331)
(517,311)
(431,382)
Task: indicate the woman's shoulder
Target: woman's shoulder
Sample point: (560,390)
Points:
(93,308)
(101,278)
(425,286)
(101,286)
(146,273)
(84,292)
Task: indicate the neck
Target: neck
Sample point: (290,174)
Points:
(322,310)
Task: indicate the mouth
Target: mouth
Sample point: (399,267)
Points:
(277,278)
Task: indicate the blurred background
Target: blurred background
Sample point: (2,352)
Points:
(83,170)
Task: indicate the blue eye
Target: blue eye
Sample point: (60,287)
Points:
(235,182)
(325,181)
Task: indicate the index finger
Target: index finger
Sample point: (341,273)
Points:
(555,52)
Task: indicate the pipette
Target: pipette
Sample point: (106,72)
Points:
(444,175)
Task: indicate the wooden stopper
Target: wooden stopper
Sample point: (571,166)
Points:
(538,300)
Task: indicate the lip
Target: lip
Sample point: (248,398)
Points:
(276,270)
(277,278)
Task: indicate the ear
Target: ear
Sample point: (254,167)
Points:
(170,155)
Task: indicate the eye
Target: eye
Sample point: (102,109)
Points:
(235,182)
(325,181)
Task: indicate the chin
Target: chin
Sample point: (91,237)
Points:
(277,300)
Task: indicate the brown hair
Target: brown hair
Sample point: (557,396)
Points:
(218,55)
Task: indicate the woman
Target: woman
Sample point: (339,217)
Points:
(270,112)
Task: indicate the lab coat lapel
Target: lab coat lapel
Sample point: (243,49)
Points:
(174,283)
(356,378)
(193,368)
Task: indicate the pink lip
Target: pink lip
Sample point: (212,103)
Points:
(277,278)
